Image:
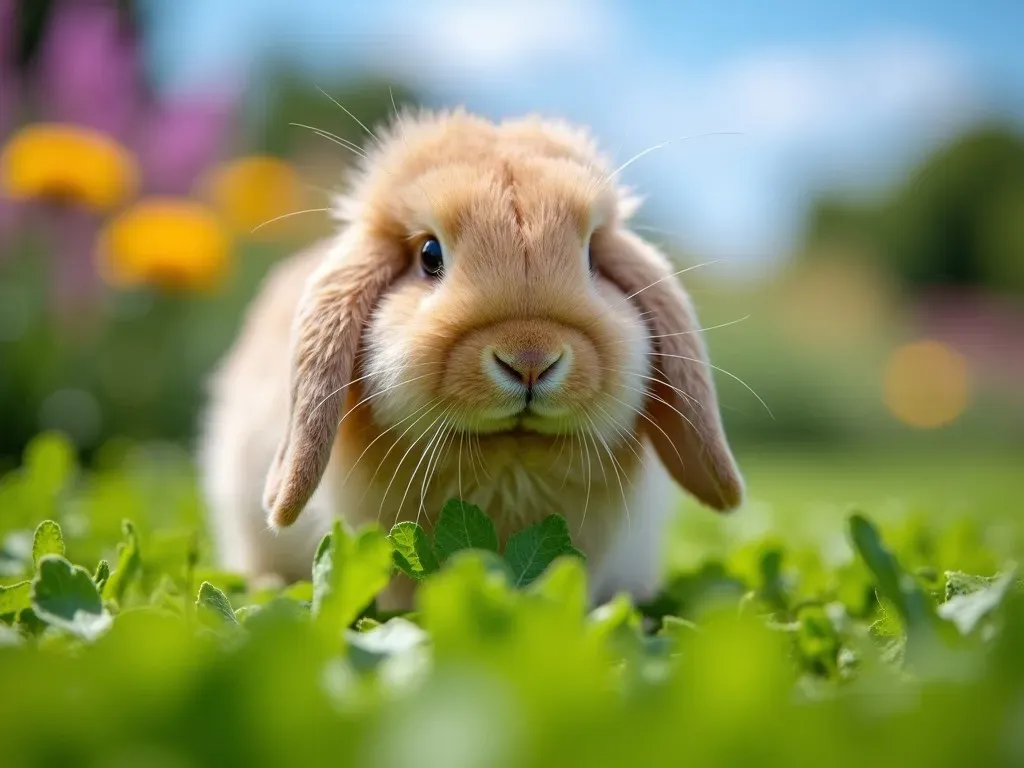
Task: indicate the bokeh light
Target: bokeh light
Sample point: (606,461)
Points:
(926,384)
(251,192)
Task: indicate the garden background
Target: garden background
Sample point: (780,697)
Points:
(863,234)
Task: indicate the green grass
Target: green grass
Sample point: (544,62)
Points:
(793,632)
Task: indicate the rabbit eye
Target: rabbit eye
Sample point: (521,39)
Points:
(590,257)
(431,257)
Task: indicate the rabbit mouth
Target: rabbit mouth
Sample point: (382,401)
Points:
(528,421)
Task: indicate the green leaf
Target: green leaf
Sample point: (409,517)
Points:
(564,583)
(675,627)
(413,553)
(246,612)
(101,575)
(967,610)
(773,590)
(959,583)
(48,540)
(128,563)
(616,619)
(348,572)
(463,526)
(15,598)
(300,591)
(925,632)
(493,563)
(894,584)
(227,582)
(65,596)
(213,603)
(532,550)
(323,568)
(281,611)
(397,637)
(49,461)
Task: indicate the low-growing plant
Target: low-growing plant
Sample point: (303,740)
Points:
(144,655)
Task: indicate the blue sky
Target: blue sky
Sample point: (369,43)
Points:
(832,93)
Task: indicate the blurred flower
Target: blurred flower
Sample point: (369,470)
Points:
(66,163)
(172,243)
(90,70)
(252,191)
(105,138)
(926,384)
(180,139)
(8,107)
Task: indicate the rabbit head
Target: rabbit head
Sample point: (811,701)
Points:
(485,274)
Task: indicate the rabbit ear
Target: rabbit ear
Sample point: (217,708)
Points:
(328,325)
(682,408)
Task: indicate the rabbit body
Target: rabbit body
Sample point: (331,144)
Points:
(527,377)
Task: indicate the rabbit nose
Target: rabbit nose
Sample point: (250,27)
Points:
(528,366)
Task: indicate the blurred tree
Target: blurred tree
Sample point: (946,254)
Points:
(288,97)
(957,219)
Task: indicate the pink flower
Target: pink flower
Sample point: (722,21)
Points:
(179,139)
(89,67)
(8,109)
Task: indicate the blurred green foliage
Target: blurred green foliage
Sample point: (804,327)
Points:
(956,220)
(288,99)
(769,653)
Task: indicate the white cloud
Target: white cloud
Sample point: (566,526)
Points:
(480,41)
(821,95)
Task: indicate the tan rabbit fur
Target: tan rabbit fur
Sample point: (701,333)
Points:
(522,378)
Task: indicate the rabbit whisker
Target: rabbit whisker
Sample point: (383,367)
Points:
(398,119)
(654,230)
(648,393)
(589,476)
(352,147)
(287,216)
(483,458)
(440,421)
(398,467)
(441,455)
(664,144)
(561,444)
(669,276)
(458,461)
(570,438)
(370,375)
(399,439)
(378,437)
(621,430)
(362,125)
(655,424)
(384,391)
(435,456)
(693,332)
(723,371)
(616,467)
(682,393)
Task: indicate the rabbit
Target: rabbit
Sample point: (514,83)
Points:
(484,325)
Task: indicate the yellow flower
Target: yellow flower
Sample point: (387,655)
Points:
(173,243)
(67,163)
(926,384)
(250,192)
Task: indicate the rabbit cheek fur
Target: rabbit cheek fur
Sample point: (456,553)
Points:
(554,365)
